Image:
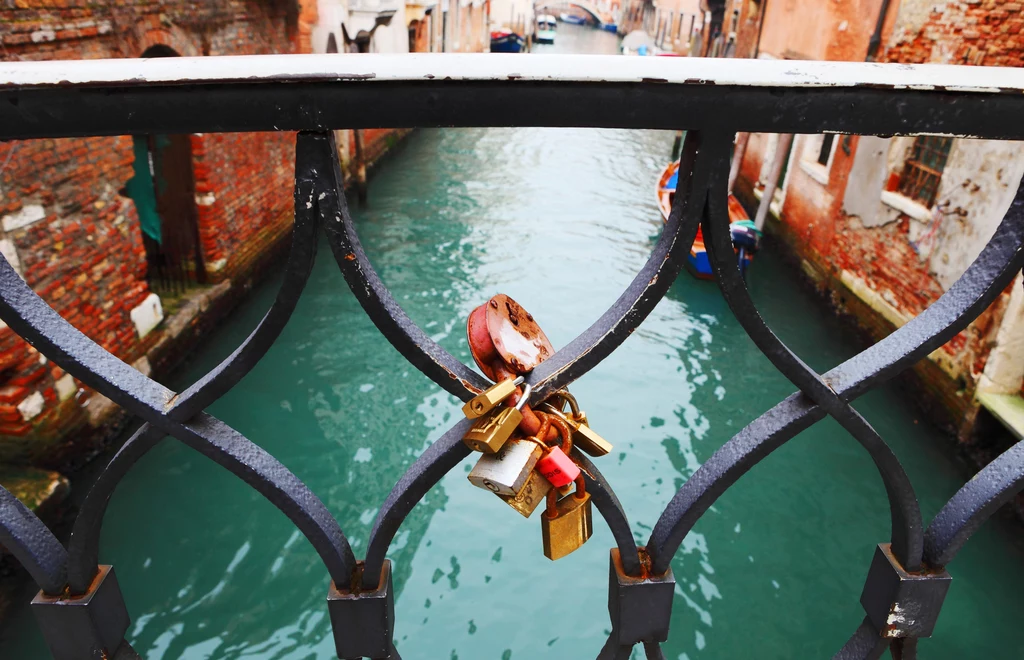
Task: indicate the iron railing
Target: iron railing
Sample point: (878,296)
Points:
(79,607)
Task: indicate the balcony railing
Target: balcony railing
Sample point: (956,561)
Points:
(79,607)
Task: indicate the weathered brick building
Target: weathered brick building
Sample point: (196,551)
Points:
(886,225)
(100,226)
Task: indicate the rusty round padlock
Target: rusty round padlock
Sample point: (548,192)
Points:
(506,342)
(502,330)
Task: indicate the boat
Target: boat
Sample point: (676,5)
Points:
(572,19)
(609,27)
(639,42)
(746,238)
(546,26)
(506,41)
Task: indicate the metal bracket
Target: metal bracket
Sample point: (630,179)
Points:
(84,627)
(902,604)
(363,621)
(640,607)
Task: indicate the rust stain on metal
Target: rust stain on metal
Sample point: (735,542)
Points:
(518,339)
(350,257)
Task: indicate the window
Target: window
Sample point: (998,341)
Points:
(826,149)
(816,156)
(923,170)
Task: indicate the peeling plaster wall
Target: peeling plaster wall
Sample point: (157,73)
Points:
(816,29)
(977,187)
(863,195)
(1004,372)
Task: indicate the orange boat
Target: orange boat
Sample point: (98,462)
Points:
(746,238)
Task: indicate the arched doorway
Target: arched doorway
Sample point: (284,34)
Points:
(163,189)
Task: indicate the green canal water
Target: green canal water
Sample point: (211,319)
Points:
(561,220)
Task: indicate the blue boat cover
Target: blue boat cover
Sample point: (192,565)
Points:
(673,180)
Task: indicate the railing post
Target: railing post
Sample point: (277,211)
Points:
(901,604)
(87,626)
(640,607)
(363,621)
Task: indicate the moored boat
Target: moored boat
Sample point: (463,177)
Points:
(746,238)
(572,19)
(546,27)
(506,41)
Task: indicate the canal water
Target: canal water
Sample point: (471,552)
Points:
(561,220)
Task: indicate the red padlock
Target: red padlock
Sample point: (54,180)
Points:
(555,465)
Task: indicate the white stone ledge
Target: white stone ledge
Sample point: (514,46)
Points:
(906,205)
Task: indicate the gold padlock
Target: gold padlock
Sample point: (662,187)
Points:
(583,436)
(530,496)
(567,523)
(491,433)
(489,399)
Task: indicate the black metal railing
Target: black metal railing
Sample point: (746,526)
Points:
(79,607)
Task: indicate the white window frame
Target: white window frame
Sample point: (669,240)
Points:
(810,149)
(896,200)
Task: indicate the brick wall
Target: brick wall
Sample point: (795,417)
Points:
(244,185)
(76,240)
(980,32)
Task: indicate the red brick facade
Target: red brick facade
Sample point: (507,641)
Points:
(77,240)
(980,32)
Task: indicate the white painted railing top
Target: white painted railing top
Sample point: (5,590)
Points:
(486,67)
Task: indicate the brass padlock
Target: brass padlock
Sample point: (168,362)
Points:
(507,471)
(489,434)
(567,523)
(536,487)
(489,399)
(583,436)
(533,492)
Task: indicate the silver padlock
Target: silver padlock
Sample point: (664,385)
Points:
(505,472)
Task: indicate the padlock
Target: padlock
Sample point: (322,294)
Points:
(584,436)
(555,464)
(506,472)
(489,399)
(533,492)
(567,523)
(490,433)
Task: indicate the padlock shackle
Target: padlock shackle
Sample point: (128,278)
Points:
(552,508)
(581,487)
(564,430)
(567,397)
(553,410)
(527,391)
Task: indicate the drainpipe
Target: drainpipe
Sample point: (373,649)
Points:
(760,27)
(357,136)
(876,38)
(781,151)
(738,154)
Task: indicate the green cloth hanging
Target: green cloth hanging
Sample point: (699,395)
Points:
(140,189)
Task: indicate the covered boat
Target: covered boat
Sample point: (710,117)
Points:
(506,41)
(546,27)
(746,238)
